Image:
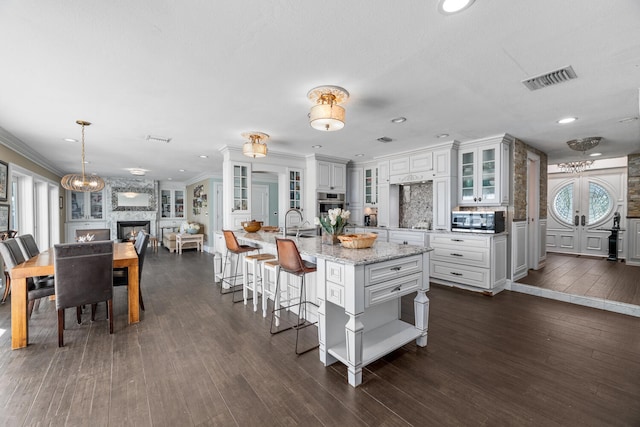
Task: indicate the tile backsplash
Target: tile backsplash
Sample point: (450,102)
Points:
(416,204)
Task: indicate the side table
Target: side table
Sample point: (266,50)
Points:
(189,241)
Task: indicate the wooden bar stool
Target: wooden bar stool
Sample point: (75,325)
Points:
(291,262)
(269,286)
(233,248)
(252,278)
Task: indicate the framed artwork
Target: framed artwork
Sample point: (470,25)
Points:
(4,180)
(4,217)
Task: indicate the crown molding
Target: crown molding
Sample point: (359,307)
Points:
(13,143)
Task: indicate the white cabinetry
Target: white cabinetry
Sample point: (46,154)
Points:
(295,189)
(72,226)
(370,186)
(443,196)
(171,203)
(476,262)
(355,193)
(413,168)
(331,176)
(483,171)
(406,237)
(85,206)
(388,203)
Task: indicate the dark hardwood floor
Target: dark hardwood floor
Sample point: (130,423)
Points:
(197,359)
(588,276)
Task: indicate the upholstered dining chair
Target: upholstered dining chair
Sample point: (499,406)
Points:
(36,287)
(83,275)
(28,245)
(121,275)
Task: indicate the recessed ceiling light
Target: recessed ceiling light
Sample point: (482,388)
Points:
(316,146)
(138,172)
(399,120)
(567,120)
(169,179)
(442,135)
(71,140)
(385,139)
(359,155)
(180,170)
(449,7)
(86,162)
(595,154)
(202,156)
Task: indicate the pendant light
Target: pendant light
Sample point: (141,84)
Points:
(82,182)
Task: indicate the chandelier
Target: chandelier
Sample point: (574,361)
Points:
(82,182)
(255,147)
(581,144)
(327,115)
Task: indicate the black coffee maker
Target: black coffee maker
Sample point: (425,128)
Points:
(367,220)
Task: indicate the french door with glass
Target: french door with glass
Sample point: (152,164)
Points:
(581,209)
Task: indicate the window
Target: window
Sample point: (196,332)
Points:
(600,203)
(563,204)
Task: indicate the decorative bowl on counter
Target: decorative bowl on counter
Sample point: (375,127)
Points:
(251,226)
(357,241)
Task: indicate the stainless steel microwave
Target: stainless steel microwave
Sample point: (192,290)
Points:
(478,222)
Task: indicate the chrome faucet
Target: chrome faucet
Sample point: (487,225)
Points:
(285,220)
(300,226)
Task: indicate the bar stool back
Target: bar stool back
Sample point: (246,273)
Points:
(233,248)
(291,262)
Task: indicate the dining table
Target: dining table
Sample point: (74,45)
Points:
(124,255)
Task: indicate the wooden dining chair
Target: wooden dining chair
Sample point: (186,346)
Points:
(83,276)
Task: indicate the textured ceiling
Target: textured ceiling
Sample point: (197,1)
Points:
(203,72)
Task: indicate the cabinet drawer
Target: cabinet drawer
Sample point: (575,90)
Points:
(335,272)
(391,289)
(459,255)
(388,270)
(335,294)
(458,241)
(472,276)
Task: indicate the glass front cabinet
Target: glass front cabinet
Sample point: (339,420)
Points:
(85,206)
(240,188)
(171,203)
(295,189)
(483,170)
(370,186)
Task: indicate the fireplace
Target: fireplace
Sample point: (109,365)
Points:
(129,229)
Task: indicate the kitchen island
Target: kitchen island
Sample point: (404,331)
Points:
(359,292)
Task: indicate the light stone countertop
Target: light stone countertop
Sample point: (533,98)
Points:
(313,247)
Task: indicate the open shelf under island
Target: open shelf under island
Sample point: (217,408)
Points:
(358,291)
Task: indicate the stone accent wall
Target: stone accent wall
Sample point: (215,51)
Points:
(633,186)
(416,204)
(519,197)
(113,217)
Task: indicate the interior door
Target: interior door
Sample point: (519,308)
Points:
(581,209)
(260,203)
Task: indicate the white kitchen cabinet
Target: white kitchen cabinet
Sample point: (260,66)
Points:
(444,162)
(388,205)
(383,172)
(370,186)
(295,189)
(355,187)
(483,171)
(171,203)
(241,188)
(331,176)
(443,196)
(470,261)
(407,237)
(85,206)
(72,226)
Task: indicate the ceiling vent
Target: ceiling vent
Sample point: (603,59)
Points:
(158,139)
(549,79)
(385,139)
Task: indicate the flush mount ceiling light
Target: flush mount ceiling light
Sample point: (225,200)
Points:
(399,120)
(327,114)
(449,7)
(567,120)
(137,171)
(82,182)
(255,147)
(583,145)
